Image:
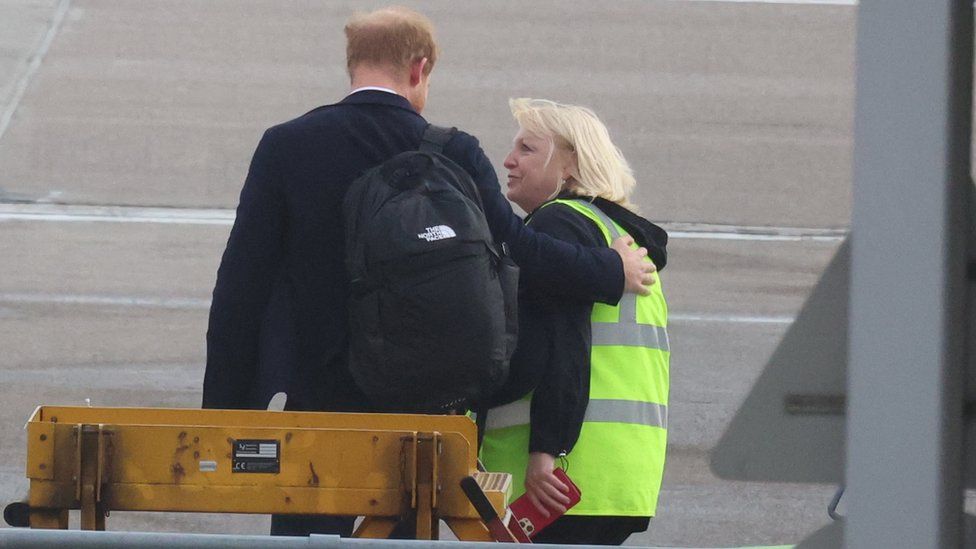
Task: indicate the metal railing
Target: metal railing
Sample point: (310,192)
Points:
(85,539)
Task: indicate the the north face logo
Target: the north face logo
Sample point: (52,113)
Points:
(438,232)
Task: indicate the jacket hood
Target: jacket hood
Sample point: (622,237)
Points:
(645,233)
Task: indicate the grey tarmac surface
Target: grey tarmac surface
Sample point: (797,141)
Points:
(730,113)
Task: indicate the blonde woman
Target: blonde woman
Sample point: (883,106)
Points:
(589,382)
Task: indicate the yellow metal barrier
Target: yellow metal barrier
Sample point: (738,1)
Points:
(384,467)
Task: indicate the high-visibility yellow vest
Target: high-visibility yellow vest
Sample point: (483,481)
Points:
(618,462)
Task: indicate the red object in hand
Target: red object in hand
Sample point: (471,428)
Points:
(527,519)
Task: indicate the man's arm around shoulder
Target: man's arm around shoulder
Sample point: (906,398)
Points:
(600,274)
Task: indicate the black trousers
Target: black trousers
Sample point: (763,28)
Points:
(583,530)
(303,525)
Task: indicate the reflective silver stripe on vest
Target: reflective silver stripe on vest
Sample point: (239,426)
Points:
(627,411)
(628,303)
(630,335)
(628,309)
(604,218)
(611,226)
(627,331)
(509,415)
(599,410)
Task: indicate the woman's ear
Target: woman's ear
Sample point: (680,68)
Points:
(570,165)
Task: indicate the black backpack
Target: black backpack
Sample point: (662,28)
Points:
(432,301)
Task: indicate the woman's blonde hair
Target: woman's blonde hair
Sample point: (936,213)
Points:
(603,171)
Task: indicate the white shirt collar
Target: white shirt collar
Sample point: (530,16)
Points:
(373,88)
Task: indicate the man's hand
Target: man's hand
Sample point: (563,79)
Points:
(543,488)
(638,270)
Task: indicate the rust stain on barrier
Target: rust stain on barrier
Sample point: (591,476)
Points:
(182,442)
(314,479)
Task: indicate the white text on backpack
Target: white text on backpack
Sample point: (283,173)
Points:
(439,232)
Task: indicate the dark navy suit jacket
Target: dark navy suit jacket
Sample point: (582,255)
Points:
(278,318)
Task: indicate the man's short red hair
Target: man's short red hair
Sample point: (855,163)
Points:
(392,37)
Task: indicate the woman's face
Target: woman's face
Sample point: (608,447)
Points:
(530,180)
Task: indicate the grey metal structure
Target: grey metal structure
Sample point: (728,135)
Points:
(791,427)
(909,328)
(909,291)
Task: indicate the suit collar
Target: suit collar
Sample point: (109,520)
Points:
(376,97)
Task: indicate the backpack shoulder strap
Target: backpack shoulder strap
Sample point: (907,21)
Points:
(435,137)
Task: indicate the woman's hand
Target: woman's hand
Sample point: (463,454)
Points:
(543,489)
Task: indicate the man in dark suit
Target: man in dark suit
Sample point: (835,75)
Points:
(278,318)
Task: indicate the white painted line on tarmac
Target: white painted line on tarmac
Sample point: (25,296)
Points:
(195,216)
(115,214)
(735,319)
(772,235)
(105,300)
(714,231)
(189,303)
(35,63)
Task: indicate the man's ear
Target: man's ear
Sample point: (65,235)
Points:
(417,71)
